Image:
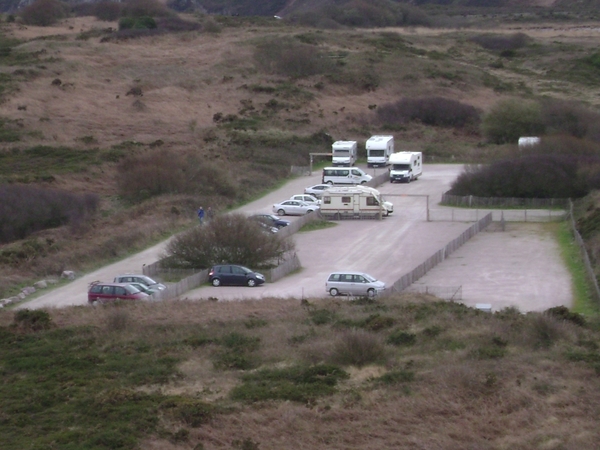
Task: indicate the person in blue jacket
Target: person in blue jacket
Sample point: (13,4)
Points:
(201,215)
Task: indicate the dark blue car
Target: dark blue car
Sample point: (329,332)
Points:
(271,220)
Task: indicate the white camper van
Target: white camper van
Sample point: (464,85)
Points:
(347,175)
(345,153)
(379,149)
(341,202)
(406,166)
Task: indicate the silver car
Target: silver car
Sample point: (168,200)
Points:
(353,283)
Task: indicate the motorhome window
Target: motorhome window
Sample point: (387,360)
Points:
(376,152)
(401,166)
(336,151)
(327,200)
(347,199)
(372,201)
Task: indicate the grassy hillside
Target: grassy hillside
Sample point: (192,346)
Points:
(396,373)
(82,105)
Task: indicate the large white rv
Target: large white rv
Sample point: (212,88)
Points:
(406,166)
(341,202)
(345,153)
(379,149)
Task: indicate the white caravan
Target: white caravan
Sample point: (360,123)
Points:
(341,202)
(345,153)
(379,150)
(406,166)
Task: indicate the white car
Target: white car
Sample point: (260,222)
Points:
(293,208)
(306,198)
(317,190)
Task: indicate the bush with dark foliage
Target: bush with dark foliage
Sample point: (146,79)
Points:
(227,238)
(434,111)
(501,43)
(26,209)
(44,12)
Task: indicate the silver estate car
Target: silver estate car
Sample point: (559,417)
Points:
(353,283)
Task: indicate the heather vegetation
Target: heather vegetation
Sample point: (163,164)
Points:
(192,375)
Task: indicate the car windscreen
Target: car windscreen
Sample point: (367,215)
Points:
(131,289)
(369,277)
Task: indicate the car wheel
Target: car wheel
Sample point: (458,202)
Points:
(281,212)
(363,182)
(251,282)
(330,182)
(333,292)
(216,282)
(309,211)
(371,293)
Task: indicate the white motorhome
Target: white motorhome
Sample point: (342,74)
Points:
(406,166)
(341,202)
(379,150)
(344,153)
(347,175)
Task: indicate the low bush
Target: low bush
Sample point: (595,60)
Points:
(401,338)
(358,348)
(26,209)
(44,12)
(297,383)
(434,111)
(32,320)
(288,57)
(108,11)
(501,43)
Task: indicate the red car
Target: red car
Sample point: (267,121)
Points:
(111,292)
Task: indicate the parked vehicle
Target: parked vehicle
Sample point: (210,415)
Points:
(293,208)
(317,189)
(351,175)
(271,220)
(353,283)
(134,278)
(345,153)
(306,198)
(234,275)
(354,201)
(406,166)
(145,289)
(100,292)
(379,149)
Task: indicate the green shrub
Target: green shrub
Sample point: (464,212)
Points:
(510,119)
(401,338)
(501,43)
(322,316)
(44,12)
(32,320)
(562,312)
(396,376)
(297,383)
(144,22)
(126,23)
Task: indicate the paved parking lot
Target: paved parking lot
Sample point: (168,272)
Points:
(532,276)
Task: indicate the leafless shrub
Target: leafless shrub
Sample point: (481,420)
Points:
(44,12)
(108,11)
(284,56)
(26,209)
(571,118)
(434,111)
(144,8)
(227,238)
(161,172)
(501,42)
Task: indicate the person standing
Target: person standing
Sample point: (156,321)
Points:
(201,215)
(210,214)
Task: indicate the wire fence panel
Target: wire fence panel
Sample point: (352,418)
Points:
(451,293)
(508,215)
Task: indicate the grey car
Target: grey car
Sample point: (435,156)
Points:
(135,278)
(353,283)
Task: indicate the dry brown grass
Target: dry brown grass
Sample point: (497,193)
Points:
(529,398)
